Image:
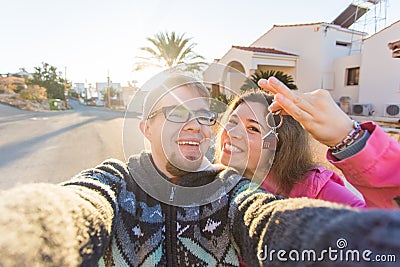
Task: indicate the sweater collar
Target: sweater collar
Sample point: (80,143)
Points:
(193,189)
(207,172)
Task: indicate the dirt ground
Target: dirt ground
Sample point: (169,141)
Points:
(319,152)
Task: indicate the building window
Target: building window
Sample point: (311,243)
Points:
(352,76)
(339,43)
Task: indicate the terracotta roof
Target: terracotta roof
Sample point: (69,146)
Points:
(262,50)
(300,24)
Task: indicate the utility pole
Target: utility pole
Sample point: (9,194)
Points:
(65,89)
(87,89)
(108,90)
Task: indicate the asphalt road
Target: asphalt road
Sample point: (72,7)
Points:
(54,146)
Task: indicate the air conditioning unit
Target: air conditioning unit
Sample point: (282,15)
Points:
(392,110)
(362,109)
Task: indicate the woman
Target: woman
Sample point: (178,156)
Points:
(293,173)
(370,164)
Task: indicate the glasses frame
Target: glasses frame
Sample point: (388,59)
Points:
(167,109)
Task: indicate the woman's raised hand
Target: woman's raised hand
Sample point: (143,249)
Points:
(315,111)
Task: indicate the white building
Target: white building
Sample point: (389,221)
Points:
(380,72)
(320,55)
(79,88)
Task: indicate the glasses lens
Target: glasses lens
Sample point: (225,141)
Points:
(206,117)
(181,114)
(177,114)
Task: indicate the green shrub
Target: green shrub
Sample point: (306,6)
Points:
(73,94)
(55,104)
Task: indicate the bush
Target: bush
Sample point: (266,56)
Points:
(55,104)
(73,94)
(33,92)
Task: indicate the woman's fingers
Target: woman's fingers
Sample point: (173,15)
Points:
(277,87)
(275,106)
(315,111)
(291,108)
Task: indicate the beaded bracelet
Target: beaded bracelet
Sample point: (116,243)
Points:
(353,135)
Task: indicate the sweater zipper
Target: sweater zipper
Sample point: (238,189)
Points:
(172,194)
(170,233)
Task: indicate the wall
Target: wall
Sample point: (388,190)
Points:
(380,73)
(315,44)
(216,71)
(229,79)
(303,41)
(341,89)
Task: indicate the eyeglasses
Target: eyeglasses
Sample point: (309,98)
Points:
(181,114)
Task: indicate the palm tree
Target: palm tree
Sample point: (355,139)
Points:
(171,50)
(251,84)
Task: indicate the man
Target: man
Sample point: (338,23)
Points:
(171,207)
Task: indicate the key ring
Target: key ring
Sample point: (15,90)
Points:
(271,139)
(273,114)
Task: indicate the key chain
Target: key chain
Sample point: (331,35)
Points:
(270,139)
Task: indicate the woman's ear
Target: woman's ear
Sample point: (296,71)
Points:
(145,129)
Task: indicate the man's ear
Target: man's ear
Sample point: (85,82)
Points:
(145,129)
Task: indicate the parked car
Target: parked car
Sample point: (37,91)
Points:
(90,102)
(100,103)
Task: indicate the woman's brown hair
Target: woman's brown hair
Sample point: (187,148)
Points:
(293,156)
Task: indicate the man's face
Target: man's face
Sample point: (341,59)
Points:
(182,144)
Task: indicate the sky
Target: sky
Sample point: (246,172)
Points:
(87,40)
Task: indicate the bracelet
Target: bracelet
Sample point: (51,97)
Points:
(352,149)
(353,135)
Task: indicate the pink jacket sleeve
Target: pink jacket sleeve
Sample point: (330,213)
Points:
(324,184)
(337,193)
(375,170)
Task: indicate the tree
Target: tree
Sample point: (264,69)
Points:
(110,91)
(48,77)
(220,102)
(171,50)
(252,83)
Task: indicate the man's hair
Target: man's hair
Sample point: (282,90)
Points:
(168,83)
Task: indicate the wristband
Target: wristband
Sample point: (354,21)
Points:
(352,149)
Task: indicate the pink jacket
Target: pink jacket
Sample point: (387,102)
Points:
(375,170)
(321,183)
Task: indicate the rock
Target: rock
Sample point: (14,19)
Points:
(14,100)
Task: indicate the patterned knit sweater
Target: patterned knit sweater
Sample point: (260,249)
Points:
(103,217)
(148,232)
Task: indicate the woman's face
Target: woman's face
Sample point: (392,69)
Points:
(241,140)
